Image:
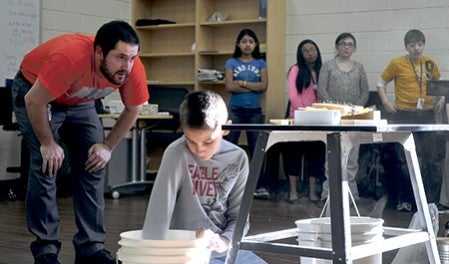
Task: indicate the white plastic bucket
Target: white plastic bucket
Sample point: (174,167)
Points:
(316,232)
(443,249)
(181,247)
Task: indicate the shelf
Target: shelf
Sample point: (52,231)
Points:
(172,54)
(171,83)
(234,22)
(210,82)
(215,52)
(170,58)
(166,26)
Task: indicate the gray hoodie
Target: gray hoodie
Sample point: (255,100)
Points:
(191,194)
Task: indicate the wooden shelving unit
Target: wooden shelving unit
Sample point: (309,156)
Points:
(171,59)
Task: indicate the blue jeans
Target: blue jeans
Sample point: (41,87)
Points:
(83,129)
(243,115)
(243,257)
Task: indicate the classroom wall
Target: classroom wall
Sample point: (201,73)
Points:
(379,27)
(81,16)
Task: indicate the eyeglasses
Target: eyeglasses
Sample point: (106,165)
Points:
(309,51)
(418,44)
(346,44)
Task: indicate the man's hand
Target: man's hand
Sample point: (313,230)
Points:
(52,158)
(98,155)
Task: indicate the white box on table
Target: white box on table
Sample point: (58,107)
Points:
(320,117)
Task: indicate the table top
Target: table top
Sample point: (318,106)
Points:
(341,128)
(140,117)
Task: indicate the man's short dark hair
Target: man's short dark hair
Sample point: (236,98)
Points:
(112,32)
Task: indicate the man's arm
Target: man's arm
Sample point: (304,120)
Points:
(36,101)
(99,154)
(124,123)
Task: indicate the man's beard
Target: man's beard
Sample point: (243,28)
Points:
(110,76)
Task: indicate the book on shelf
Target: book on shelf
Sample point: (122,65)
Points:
(262,9)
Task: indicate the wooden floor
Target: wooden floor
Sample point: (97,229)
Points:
(128,212)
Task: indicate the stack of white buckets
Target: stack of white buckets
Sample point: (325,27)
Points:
(181,247)
(316,232)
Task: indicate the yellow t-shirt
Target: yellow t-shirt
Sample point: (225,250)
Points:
(406,74)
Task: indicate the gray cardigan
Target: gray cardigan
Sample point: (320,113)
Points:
(341,87)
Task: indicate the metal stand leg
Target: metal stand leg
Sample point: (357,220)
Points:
(143,156)
(339,207)
(420,199)
(247,199)
(134,154)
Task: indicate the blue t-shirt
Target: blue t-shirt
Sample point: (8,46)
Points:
(246,71)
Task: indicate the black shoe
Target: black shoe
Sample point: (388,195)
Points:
(100,257)
(49,258)
(262,193)
(442,209)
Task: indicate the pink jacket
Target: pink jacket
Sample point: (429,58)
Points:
(299,100)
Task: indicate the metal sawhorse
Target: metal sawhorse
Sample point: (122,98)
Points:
(339,140)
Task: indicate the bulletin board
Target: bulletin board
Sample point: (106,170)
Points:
(20,32)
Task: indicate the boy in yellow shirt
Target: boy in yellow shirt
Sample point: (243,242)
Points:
(413,106)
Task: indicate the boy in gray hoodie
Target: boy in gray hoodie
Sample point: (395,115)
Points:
(201,180)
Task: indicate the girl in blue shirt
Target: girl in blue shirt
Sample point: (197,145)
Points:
(246,79)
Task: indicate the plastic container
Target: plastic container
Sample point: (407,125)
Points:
(316,232)
(181,247)
(319,117)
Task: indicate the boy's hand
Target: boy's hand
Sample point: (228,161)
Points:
(389,107)
(214,241)
(439,106)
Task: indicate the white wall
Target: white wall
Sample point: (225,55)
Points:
(379,27)
(80,16)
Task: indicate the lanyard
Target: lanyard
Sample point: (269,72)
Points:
(419,80)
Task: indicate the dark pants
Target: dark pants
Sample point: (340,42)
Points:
(315,155)
(243,115)
(83,129)
(430,149)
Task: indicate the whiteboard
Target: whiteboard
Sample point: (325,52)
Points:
(20,32)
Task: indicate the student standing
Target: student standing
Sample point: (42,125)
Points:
(246,79)
(344,81)
(413,106)
(201,180)
(57,85)
(302,85)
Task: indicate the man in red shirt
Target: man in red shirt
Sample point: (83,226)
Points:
(57,86)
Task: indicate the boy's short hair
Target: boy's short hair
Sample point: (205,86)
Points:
(414,36)
(203,110)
